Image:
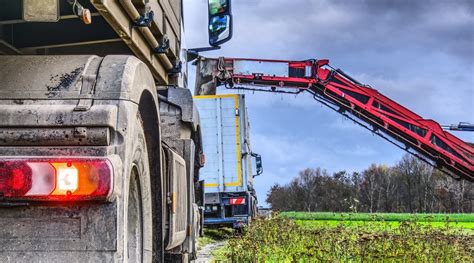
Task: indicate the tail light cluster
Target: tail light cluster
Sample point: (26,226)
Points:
(55,180)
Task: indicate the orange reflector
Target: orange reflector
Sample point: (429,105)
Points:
(86,16)
(89,179)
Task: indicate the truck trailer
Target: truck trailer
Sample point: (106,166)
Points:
(100,142)
(229,195)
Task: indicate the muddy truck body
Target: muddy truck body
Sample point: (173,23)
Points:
(100,143)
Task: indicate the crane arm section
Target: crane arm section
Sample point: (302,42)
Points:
(359,102)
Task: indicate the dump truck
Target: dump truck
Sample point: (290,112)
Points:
(229,195)
(100,141)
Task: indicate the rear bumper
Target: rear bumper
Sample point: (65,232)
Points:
(235,222)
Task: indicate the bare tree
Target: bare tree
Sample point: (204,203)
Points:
(410,186)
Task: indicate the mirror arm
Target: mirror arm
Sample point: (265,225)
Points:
(204,49)
(193,53)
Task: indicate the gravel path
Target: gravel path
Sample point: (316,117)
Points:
(205,253)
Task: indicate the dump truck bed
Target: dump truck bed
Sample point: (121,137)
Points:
(113,31)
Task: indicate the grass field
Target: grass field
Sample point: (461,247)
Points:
(332,237)
(382,220)
(379,217)
(467,227)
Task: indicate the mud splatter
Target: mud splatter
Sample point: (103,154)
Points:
(64,81)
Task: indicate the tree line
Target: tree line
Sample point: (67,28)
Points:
(410,186)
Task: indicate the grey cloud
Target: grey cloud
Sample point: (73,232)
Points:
(341,27)
(418,52)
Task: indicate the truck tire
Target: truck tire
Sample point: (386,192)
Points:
(138,213)
(134,220)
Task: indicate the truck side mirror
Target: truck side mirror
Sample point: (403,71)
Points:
(220,22)
(258,163)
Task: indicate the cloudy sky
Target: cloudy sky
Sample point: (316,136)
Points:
(419,53)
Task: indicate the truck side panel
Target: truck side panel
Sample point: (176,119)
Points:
(222,121)
(228,181)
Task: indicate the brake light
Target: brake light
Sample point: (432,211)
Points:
(55,180)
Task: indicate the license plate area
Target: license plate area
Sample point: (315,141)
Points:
(88,227)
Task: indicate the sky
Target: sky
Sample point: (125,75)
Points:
(418,53)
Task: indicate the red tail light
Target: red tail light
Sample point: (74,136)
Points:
(55,180)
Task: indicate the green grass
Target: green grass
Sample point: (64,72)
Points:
(286,240)
(390,226)
(384,221)
(217,234)
(335,223)
(221,254)
(354,237)
(212,235)
(378,217)
(203,241)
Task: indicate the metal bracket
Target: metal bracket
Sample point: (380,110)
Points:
(145,19)
(176,68)
(80,132)
(88,83)
(193,53)
(88,79)
(163,46)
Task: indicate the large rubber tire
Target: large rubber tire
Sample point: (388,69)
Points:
(138,218)
(134,220)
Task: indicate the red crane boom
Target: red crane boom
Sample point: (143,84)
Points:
(356,101)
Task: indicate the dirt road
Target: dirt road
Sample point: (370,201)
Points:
(205,253)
